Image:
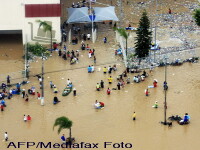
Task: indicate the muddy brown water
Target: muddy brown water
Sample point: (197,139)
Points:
(114,123)
(11,52)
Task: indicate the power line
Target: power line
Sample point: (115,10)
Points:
(107,63)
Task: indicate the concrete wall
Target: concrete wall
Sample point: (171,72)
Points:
(11,14)
(12,17)
(32,33)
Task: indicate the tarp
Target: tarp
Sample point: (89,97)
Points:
(77,15)
(105,13)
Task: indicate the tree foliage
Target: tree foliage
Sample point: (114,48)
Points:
(143,39)
(122,32)
(196,16)
(45,25)
(36,49)
(63,123)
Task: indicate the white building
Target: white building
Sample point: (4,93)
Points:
(19,16)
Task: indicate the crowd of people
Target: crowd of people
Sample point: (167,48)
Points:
(79,4)
(73,55)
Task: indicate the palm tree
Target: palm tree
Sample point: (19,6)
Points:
(63,123)
(46,27)
(124,34)
(196,16)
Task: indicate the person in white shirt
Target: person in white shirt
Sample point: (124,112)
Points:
(134,78)
(151,68)
(137,80)
(89,55)
(88,36)
(68,82)
(74,91)
(6,136)
(142,77)
(40,79)
(33,90)
(97,104)
(92,68)
(25,118)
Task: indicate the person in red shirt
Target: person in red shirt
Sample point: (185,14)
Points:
(87,47)
(29,118)
(26,96)
(170,11)
(38,95)
(108,91)
(155,83)
(102,104)
(2,107)
(147,92)
(55,46)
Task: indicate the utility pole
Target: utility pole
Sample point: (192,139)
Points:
(165,104)
(25,54)
(155,29)
(165,96)
(26,71)
(121,13)
(42,88)
(91,13)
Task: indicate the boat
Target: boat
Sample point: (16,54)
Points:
(67,90)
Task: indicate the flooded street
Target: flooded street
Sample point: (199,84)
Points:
(11,52)
(114,123)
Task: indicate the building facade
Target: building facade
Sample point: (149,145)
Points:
(22,15)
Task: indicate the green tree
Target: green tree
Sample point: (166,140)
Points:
(124,34)
(143,39)
(196,16)
(63,123)
(46,27)
(37,49)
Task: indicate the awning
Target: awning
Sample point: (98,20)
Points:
(105,13)
(77,15)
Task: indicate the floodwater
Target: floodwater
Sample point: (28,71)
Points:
(114,123)
(11,52)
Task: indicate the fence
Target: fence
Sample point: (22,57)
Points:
(122,43)
(159,57)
